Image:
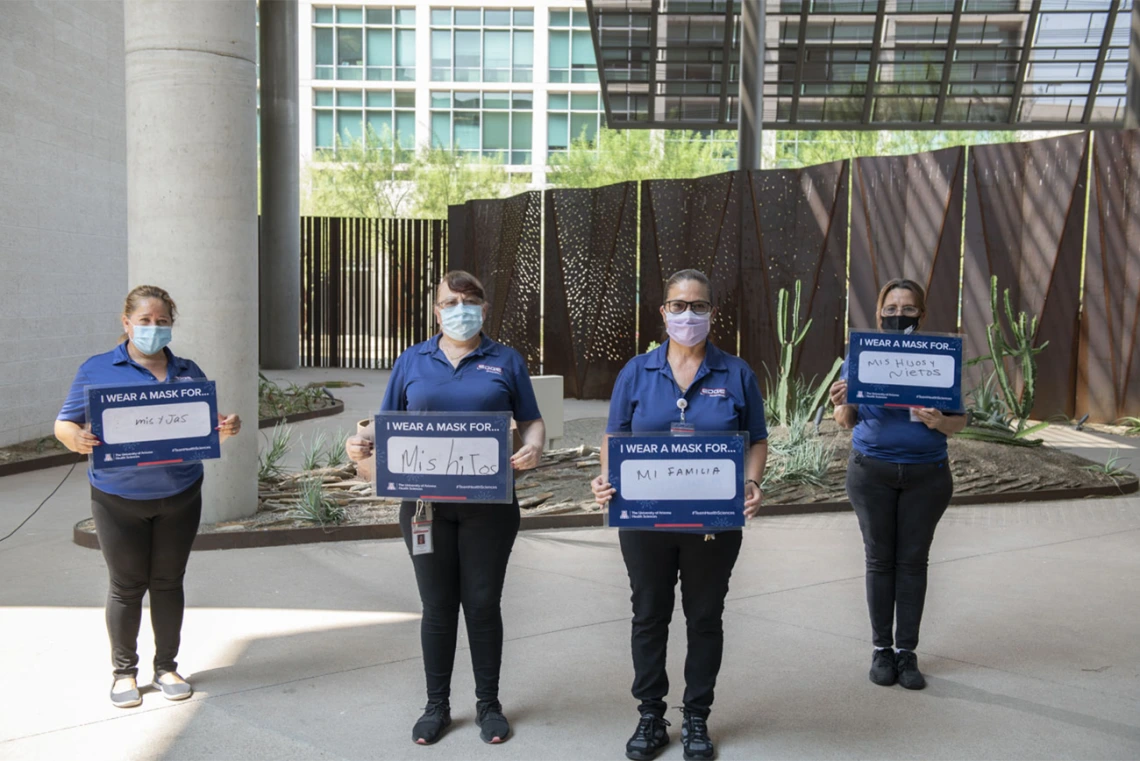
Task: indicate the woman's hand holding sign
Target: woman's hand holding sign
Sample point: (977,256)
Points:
(228,426)
(603,490)
(358,448)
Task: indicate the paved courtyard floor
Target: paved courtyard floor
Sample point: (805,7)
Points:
(1030,643)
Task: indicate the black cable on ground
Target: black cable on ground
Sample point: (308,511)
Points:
(53,491)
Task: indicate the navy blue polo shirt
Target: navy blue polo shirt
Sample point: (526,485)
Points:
(887,433)
(117,368)
(493,378)
(724,396)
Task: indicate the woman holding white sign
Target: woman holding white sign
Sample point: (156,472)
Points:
(465,561)
(686,385)
(146,518)
(899,482)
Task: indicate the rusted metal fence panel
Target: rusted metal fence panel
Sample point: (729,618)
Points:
(795,228)
(1108,379)
(691,224)
(906,221)
(502,246)
(1025,216)
(366,288)
(590,287)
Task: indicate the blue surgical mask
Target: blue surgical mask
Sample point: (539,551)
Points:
(150,339)
(462,321)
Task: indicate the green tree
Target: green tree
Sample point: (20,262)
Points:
(624,155)
(806,147)
(374,177)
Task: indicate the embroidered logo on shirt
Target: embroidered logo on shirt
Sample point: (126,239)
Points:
(490,369)
(718,392)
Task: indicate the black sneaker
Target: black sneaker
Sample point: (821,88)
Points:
(649,739)
(909,675)
(493,726)
(430,726)
(884,670)
(695,737)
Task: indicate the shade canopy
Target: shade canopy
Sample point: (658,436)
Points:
(870,64)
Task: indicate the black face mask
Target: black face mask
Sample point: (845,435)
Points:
(901,323)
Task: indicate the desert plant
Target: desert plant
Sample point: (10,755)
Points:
(987,406)
(799,457)
(335,455)
(1111,467)
(269,460)
(789,397)
(1131,423)
(314,456)
(316,506)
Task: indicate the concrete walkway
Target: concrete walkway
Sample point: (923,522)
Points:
(312,652)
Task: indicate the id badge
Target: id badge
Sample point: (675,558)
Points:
(914,418)
(421,537)
(681,429)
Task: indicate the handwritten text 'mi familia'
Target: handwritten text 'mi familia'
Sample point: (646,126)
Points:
(151,395)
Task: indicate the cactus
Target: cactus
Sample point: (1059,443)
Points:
(790,394)
(1024,353)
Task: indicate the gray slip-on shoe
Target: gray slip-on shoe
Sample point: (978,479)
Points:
(127,698)
(176,691)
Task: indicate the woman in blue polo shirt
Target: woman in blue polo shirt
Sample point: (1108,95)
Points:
(689,382)
(146,518)
(899,482)
(461,370)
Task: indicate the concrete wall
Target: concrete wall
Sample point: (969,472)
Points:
(63,200)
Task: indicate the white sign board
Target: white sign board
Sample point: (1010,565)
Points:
(158,422)
(443,455)
(895,369)
(680,479)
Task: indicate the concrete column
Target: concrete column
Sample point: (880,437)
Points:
(280,271)
(751,83)
(1132,112)
(192,203)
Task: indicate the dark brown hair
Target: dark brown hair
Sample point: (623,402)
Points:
(138,294)
(907,285)
(682,275)
(463,283)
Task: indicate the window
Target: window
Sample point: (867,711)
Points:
(377,44)
(492,124)
(571,48)
(572,116)
(347,116)
(474,45)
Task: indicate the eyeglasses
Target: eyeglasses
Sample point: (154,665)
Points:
(893,311)
(676,306)
(454,302)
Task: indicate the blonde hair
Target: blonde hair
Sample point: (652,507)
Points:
(138,294)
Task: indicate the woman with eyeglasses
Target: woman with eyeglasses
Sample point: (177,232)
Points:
(462,370)
(899,482)
(687,384)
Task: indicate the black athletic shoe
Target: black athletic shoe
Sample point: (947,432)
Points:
(493,726)
(909,675)
(649,739)
(695,737)
(430,726)
(884,670)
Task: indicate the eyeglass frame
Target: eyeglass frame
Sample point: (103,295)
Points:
(475,301)
(689,305)
(914,311)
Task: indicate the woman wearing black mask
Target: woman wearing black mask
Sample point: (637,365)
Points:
(899,482)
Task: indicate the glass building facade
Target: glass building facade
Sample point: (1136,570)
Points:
(505,81)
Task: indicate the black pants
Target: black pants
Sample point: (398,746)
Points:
(899,507)
(471,546)
(146,544)
(653,560)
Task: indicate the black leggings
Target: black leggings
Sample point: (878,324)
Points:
(899,507)
(471,546)
(146,544)
(654,559)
